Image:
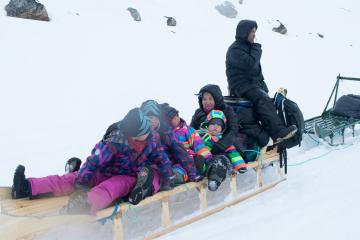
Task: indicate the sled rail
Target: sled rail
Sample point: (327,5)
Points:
(328,125)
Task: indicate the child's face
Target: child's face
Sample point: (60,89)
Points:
(208,102)
(175,121)
(155,122)
(214,129)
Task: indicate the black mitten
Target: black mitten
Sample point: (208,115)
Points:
(217,149)
(199,163)
(72,165)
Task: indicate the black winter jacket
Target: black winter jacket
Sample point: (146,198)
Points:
(243,69)
(231,126)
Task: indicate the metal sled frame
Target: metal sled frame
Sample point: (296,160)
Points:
(327,125)
(26,219)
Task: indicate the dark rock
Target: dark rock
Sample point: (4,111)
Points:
(280,29)
(135,14)
(30,9)
(170,21)
(320,35)
(227,9)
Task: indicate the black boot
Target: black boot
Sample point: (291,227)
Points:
(216,172)
(179,177)
(143,187)
(72,165)
(21,187)
(286,133)
(242,170)
(78,203)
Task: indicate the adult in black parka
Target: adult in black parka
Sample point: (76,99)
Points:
(245,79)
(200,114)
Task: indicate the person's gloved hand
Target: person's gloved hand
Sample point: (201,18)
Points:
(168,185)
(217,149)
(199,162)
(256,45)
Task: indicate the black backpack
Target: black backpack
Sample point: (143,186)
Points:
(290,114)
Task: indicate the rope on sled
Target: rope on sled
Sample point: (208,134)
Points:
(311,137)
(117,207)
(320,156)
(112,216)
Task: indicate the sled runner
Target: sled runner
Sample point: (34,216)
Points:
(154,216)
(328,125)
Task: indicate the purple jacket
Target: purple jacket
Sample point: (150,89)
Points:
(114,156)
(176,150)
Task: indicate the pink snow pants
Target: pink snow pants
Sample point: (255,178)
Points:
(105,191)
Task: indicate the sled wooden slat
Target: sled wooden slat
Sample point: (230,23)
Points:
(5,193)
(25,210)
(27,207)
(165,212)
(233,186)
(118,227)
(202,197)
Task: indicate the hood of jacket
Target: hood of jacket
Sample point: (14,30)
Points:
(215,92)
(243,29)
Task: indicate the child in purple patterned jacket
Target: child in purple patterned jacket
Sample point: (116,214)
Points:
(172,146)
(122,163)
(190,138)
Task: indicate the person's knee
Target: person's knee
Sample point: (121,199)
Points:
(257,96)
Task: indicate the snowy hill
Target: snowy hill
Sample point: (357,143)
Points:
(65,81)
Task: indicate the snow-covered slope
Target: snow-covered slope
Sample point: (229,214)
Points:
(63,82)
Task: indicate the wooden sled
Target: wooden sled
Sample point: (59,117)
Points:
(185,204)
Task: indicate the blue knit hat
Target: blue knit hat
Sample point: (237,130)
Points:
(135,123)
(150,108)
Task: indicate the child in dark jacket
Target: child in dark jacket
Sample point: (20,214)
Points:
(210,98)
(122,163)
(190,138)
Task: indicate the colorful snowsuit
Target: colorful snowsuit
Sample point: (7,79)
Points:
(192,141)
(110,172)
(210,140)
(231,152)
(175,148)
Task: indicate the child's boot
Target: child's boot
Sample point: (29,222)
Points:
(143,187)
(242,170)
(72,165)
(78,203)
(21,187)
(217,169)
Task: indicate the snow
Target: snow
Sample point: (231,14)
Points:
(63,82)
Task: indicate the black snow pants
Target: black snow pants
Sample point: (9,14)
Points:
(265,111)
